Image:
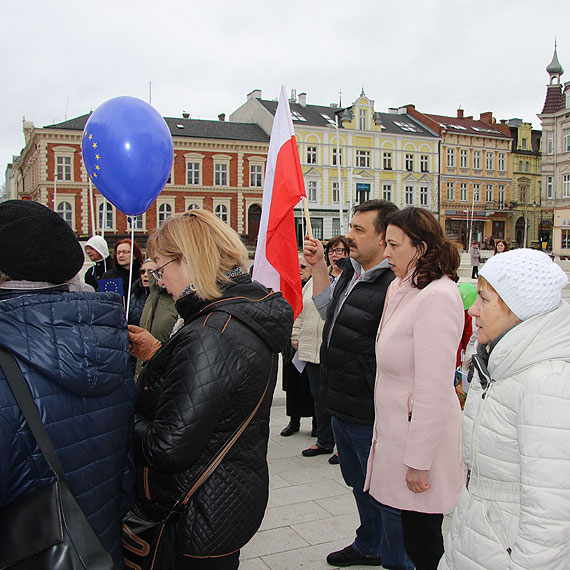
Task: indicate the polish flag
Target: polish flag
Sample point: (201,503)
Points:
(276,262)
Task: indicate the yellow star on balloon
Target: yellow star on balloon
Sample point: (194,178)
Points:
(97,167)
(97,157)
(94,145)
(90,136)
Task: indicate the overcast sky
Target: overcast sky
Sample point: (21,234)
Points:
(63,58)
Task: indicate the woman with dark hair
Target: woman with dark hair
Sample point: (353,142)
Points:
(122,263)
(415,465)
(501,246)
(337,247)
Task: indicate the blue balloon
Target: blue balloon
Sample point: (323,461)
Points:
(128,152)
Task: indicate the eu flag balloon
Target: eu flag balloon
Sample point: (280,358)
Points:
(127,150)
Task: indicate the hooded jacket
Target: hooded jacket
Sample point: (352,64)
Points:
(192,396)
(72,350)
(514,511)
(95,272)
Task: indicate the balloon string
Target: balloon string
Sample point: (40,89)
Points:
(131,221)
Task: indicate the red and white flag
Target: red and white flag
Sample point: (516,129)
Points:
(276,262)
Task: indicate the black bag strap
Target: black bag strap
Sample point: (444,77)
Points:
(30,411)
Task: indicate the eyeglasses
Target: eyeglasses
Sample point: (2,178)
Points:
(144,271)
(157,273)
(338,250)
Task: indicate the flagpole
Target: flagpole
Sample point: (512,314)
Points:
(308,218)
(54,189)
(340,192)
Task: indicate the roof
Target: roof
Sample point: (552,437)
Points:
(535,137)
(195,128)
(324,116)
(467,125)
(554,101)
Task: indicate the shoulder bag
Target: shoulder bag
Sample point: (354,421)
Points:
(45,529)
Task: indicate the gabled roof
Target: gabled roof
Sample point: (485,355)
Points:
(195,128)
(554,101)
(467,125)
(535,137)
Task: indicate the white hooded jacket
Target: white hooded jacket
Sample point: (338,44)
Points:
(515,511)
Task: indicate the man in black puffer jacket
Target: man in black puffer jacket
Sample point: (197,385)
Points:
(352,308)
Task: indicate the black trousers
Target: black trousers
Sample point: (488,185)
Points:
(423,538)
(228,562)
(475,272)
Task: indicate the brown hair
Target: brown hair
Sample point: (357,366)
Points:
(332,242)
(497,242)
(137,254)
(210,247)
(383,210)
(438,255)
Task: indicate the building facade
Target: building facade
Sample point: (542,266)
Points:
(352,154)
(555,119)
(475,183)
(217,165)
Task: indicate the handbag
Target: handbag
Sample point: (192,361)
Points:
(147,544)
(45,529)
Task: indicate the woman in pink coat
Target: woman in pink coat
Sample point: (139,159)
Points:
(415,463)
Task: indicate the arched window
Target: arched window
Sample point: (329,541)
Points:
(106,216)
(164,210)
(193,207)
(222,212)
(65,210)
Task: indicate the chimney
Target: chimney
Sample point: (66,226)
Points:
(293,98)
(460,113)
(222,117)
(303,99)
(486,117)
(185,115)
(255,94)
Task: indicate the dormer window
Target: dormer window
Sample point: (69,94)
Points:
(362,122)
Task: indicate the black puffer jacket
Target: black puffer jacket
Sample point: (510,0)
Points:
(192,396)
(348,363)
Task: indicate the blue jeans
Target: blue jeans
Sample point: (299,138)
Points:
(380,532)
(325,438)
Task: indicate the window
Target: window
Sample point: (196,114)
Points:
(520,165)
(220,174)
(334,156)
(335,226)
(387,192)
(192,206)
(193,173)
(566,140)
(255,175)
(297,116)
(451,158)
(489,159)
(501,197)
(477,160)
(221,210)
(463,192)
(409,162)
(362,116)
(550,143)
(105,216)
(311,155)
(335,193)
(502,161)
(526,166)
(566,186)
(549,187)
(476,192)
(523,144)
(63,167)
(387,160)
(522,194)
(317,225)
(409,195)
(312,190)
(423,195)
(489,193)
(362,192)
(450,192)
(164,210)
(65,210)
(463,158)
(424,163)
(136,221)
(363,158)
(565,239)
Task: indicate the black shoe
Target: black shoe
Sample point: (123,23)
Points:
(349,557)
(312,451)
(290,429)
(333,459)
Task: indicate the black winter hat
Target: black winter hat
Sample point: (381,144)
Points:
(36,244)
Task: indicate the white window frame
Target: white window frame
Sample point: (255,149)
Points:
(255,175)
(163,211)
(311,154)
(312,190)
(363,158)
(64,153)
(501,197)
(221,167)
(463,192)
(110,210)
(476,160)
(333,158)
(409,161)
(550,187)
(450,158)
(362,119)
(566,140)
(565,239)
(550,143)
(489,160)
(227,204)
(424,161)
(387,190)
(501,162)
(566,186)
(409,195)
(424,194)
(476,192)
(195,158)
(489,193)
(335,192)
(64,212)
(451,191)
(221,211)
(463,155)
(387,160)
(140,223)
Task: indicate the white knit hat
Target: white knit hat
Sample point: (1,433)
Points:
(527,280)
(99,244)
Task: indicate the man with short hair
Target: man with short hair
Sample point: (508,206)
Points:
(97,250)
(352,311)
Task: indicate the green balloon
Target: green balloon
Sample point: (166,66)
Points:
(468,293)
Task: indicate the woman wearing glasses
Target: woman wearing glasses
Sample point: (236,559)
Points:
(201,385)
(514,509)
(122,263)
(140,292)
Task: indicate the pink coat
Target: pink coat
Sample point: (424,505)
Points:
(416,349)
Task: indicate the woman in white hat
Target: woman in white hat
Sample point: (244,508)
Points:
(514,511)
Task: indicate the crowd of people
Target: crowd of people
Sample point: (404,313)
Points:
(166,409)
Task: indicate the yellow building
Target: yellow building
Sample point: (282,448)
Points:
(352,154)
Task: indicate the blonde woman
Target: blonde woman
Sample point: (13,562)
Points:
(197,389)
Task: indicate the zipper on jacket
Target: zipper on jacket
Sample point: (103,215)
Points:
(145,484)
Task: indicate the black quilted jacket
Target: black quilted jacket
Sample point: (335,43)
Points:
(191,397)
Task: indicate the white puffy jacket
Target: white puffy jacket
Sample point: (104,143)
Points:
(515,512)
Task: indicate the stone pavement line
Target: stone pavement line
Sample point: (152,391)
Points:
(311,512)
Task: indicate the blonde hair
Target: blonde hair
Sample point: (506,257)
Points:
(210,248)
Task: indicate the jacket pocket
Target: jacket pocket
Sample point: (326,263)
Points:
(498,525)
